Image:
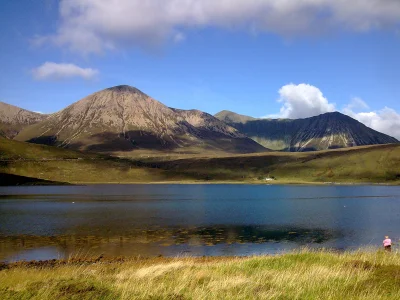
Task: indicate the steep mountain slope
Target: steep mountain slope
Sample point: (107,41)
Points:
(13,119)
(122,118)
(326,131)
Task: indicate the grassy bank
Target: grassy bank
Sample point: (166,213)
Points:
(302,275)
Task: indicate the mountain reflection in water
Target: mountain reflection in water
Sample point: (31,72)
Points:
(151,220)
(25,247)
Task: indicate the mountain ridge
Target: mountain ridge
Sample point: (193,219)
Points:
(326,131)
(13,119)
(123,118)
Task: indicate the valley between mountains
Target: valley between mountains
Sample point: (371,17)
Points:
(122,135)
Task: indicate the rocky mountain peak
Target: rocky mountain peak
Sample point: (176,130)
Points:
(125,89)
(122,118)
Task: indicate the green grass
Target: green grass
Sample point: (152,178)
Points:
(61,165)
(298,275)
(373,164)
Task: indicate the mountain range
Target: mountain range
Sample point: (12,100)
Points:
(123,119)
(326,131)
(13,119)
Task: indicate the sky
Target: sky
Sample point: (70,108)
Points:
(262,58)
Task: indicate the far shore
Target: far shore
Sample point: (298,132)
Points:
(277,182)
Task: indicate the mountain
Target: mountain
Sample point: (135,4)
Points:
(231,117)
(123,118)
(326,131)
(25,163)
(13,119)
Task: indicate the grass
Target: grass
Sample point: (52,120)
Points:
(369,164)
(40,162)
(298,275)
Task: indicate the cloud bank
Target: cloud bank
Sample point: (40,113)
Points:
(386,120)
(55,71)
(304,100)
(93,26)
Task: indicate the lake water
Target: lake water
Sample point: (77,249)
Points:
(46,222)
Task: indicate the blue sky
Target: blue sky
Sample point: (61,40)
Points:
(244,56)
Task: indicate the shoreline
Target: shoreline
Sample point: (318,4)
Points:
(288,183)
(101,259)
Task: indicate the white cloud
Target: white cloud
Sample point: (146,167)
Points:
(386,120)
(356,104)
(302,101)
(51,70)
(92,26)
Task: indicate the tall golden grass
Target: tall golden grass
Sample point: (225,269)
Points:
(299,275)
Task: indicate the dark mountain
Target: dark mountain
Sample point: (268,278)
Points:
(326,131)
(13,119)
(122,118)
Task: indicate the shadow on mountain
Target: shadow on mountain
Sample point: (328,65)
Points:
(310,149)
(135,140)
(4,164)
(128,141)
(323,132)
(299,149)
(49,140)
(10,180)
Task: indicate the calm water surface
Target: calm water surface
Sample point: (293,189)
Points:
(148,220)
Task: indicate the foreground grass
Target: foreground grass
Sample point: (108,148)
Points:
(302,275)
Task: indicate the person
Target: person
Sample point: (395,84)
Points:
(387,244)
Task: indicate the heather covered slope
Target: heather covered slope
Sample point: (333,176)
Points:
(326,131)
(124,119)
(13,119)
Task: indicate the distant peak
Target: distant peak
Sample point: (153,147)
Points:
(125,89)
(232,117)
(225,113)
(333,113)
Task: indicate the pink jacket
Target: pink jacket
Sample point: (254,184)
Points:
(387,242)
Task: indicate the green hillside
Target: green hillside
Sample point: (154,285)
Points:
(369,164)
(374,164)
(61,165)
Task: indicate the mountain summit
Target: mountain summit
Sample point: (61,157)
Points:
(123,118)
(326,131)
(13,119)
